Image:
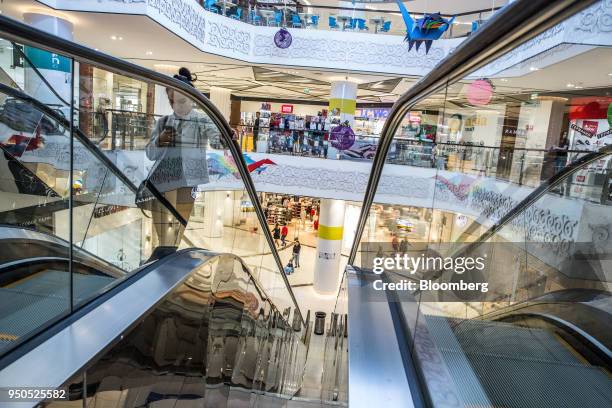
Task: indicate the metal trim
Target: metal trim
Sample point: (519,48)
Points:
(376,367)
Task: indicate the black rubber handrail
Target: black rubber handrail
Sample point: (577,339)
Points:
(542,189)
(50,192)
(16,31)
(515,24)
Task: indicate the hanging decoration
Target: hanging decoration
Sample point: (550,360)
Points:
(342,136)
(426,29)
(282,38)
(480,92)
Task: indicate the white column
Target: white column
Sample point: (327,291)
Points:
(329,245)
(53,67)
(228,208)
(213,213)
(221,97)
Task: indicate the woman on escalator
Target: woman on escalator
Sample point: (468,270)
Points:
(178,146)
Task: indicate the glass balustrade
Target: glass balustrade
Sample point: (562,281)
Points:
(114,191)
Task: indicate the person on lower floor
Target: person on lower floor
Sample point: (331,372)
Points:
(284,233)
(276,234)
(289,268)
(297,247)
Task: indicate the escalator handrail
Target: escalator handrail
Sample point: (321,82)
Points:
(24,34)
(540,191)
(593,342)
(513,25)
(30,343)
(29,172)
(54,239)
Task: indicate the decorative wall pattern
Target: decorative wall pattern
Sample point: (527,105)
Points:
(184,14)
(335,50)
(224,37)
(597,18)
(351,52)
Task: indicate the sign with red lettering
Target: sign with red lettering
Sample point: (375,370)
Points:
(286,108)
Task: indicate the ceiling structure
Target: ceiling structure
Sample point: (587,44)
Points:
(149,44)
(141,40)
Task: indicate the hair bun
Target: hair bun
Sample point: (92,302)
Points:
(186,73)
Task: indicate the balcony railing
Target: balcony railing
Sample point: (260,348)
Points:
(363,19)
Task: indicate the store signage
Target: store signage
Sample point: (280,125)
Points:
(590,126)
(286,108)
(375,113)
(414,118)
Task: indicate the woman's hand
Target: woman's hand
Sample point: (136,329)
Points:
(166,137)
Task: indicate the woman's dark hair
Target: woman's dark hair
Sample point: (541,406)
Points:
(185,75)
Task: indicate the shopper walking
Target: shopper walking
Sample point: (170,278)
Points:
(395,244)
(297,247)
(276,234)
(256,131)
(403,247)
(284,233)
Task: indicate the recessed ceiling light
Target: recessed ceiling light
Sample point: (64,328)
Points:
(149,52)
(503,80)
(579,87)
(610,74)
(534,68)
(120,38)
(113,37)
(570,85)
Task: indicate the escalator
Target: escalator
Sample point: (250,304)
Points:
(539,336)
(98,282)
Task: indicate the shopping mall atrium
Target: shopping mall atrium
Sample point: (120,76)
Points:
(306,203)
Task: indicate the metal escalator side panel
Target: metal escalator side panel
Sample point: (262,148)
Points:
(186,329)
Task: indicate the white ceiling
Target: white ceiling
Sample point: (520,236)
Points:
(149,44)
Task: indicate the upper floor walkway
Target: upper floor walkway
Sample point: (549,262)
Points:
(312,46)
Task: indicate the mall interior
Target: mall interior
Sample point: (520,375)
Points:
(195,194)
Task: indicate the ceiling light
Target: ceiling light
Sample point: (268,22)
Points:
(120,38)
(534,68)
(113,37)
(610,74)
(570,85)
(503,80)
(149,52)
(551,98)
(579,87)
